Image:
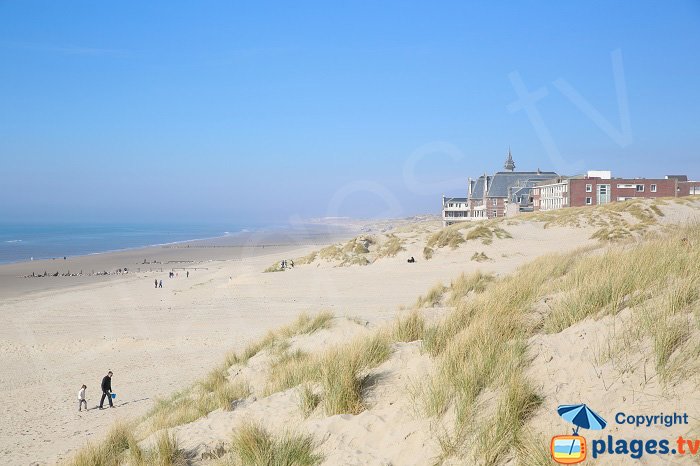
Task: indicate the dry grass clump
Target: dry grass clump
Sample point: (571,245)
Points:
(532,450)
(503,432)
(449,236)
(355,260)
(432,298)
(252,445)
(353,252)
(487,232)
(389,248)
(332,252)
(409,328)
(307,325)
(362,250)
(668,335)
(110,451)
(341,372)
(276,267)
(307,259)
(227,393)
(214,392)
(290,370)
(428,253)
(464,284)
(308,400)
(480,257)
(165,452)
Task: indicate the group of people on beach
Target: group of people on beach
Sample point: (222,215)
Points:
(171,274)
(68,273)
(106,387)
(284,264)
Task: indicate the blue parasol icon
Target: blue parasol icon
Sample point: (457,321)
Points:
(581,416)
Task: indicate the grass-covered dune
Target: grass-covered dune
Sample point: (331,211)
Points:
(468,374)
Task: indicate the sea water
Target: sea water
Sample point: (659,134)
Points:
(24,242)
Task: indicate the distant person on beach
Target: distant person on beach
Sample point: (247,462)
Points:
(156,283)
(160,284)
(188,274)
(291,262)
(81,398)
(106,390)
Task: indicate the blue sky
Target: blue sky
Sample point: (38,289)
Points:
(266,111)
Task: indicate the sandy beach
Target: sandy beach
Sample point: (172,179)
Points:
(66,330)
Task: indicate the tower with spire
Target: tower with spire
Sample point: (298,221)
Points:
(509,165)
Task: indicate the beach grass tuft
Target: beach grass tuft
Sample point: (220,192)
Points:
(409,328)
(308,400)
(110,451)
(253,445)
(433,297)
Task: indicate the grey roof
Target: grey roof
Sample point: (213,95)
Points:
(455,199)
(522,189)
(478,190)
(502,181)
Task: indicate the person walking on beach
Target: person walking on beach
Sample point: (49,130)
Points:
(160,284)
(81,398)
(188,274)
(106,390)
(156,283)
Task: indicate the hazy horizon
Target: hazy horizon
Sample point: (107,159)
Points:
(271,112)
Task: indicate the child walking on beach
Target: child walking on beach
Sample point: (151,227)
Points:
(81,398)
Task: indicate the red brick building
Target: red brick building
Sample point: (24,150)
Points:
(597,188)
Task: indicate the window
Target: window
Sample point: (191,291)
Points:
(589,200)
(589,188)
(620,186)
(653,188)
(640,188)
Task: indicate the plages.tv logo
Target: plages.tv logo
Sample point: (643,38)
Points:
(572,449)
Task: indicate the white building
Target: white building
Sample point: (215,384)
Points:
(454,209)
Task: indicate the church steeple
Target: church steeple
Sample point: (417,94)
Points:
(509,165)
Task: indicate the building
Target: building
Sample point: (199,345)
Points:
(505,193)
(599,187)
(454,209)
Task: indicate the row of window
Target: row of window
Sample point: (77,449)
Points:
(638,187)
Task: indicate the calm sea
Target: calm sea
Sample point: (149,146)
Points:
(20,242)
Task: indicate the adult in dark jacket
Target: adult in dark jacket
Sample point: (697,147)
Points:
(107,390)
